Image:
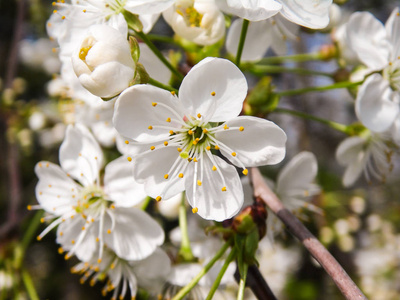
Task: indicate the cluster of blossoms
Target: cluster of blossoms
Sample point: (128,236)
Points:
(191,137)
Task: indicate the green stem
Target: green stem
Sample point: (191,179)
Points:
(243,34)
(162,85)
(262,69)
(163,39)
(183,292)
(293,58)
(221,273)
(159,54)
(30,288)
(185,252)
(337,126)
(339,85)
(146,203)
(242,284)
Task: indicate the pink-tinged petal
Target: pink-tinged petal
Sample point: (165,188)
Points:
(351,153)
(298,174)
(220,195)
(367,37)
(376,105)
(215,88)
(307,13)
(141,108)
(55,191)
(119,184)
(150,168)
(258,39)
(260,142)
(81,155)
(250,10)
(393,31)
(135,235)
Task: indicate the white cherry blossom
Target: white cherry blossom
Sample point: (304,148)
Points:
(249,9)
(370,154)
(199,21)
(103,61)
(89,214)
(183,135)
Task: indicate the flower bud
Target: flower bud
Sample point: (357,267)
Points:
(103,62)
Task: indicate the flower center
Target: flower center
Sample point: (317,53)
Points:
(93,200)
(191,16)
(392,74)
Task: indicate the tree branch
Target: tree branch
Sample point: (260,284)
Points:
(342,280)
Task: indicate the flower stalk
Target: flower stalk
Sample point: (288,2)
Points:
(184,291)
(243,34)
(30,288)
(242,284)
(185,252)
(302,57)
(162,86)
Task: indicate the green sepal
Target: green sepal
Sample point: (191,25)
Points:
(141,76)
(132,20)
(135,50)
(262,98)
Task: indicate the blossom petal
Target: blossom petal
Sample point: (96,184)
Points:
(307,13)
(154,67)
(55,191)
(119,184)
(260,143)
(375,105)
(156,265)
(212,202)
(393,31)
(366,36)
(258,39)
(250,10)
(298,174)
(351,153)
(81,155)
(135,234)
(219,76)
(150,168)
(137,108)
(140,7)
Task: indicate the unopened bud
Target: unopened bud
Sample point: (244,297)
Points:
(328,52)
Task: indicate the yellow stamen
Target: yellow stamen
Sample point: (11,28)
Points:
(166,176)
(241,128)
(158,198)
(199,116)
(152,148)
(127,142)
(165,143)
(223,189)
(214,168)
(213,94)
(233,153)
(199,182)
(216,147)
(245,172)
(129,158)
(180,175)
(154,104)
(226,127)
(195,210)
(150,127)
(168,120)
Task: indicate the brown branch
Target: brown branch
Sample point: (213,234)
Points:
(342,280)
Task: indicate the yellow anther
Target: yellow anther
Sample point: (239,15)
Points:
(180,175)
(129,158)
(241,128)
(41,220)
(112,266)
(84,10)
(199,182)
(29,207)
(208,148)
(38,238)
(245,172)
(205,130)
(83,228)
(173,93)
(40,165)
(190,132)
(66,257)
(195,142)
(82,174)
(61,233)
(152,148)
(84,52)
(127,142)
(190,159)
(60,250)
(195,210)
(199,116)
(195,159)
(165,143)
(63,17)
(216,147)
(223,189)
(49,185)
(55,11)
(99,261)
(226,127)
(214,168)
(179,149)
(150,127)
(213,94)
(40,193)
(233,153)
(154,104)
(47,165)
(73,242)
(109,231)
(97,239)
(166,176)
(168,120)
(158,198)
(53,3)
(171,132)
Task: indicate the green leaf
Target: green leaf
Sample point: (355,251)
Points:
(135,50)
